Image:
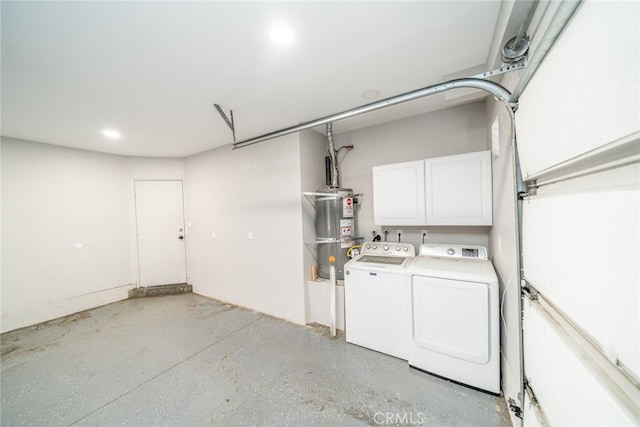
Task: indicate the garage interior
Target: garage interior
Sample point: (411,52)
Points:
(114,113)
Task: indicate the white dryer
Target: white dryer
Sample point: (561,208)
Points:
(454,315)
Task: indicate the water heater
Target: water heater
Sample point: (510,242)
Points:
(336,227)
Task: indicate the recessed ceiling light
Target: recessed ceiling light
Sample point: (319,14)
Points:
(371,94)
(281,34)
(111,134)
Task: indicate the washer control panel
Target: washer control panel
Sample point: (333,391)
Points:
(454,251)
(389,248)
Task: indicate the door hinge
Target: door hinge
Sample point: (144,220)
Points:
(531,189)
(528,291)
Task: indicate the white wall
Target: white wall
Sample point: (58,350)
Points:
(233,192)
(1,234)
(503,249)
(155,169)
(452,131)
(53,199)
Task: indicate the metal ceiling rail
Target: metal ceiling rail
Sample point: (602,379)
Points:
(499,92)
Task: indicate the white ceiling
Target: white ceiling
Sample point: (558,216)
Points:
(153,70)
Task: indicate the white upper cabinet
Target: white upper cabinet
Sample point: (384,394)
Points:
(398,194)
(458,189)
(451,190)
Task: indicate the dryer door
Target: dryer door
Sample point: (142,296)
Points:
(451,317)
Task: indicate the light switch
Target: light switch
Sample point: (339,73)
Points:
(495,138)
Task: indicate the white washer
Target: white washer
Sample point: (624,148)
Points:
(376,288)
(454,315)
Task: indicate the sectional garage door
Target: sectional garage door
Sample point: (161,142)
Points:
(579,140)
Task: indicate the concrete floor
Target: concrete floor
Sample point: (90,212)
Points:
(187,360)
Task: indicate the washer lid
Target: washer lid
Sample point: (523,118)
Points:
(365,261)
(469,270)
(375,259)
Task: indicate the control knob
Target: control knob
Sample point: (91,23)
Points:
(386,247)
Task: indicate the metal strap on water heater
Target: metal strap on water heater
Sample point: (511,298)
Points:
(327,196)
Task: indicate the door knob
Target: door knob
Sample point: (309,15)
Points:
(180,237)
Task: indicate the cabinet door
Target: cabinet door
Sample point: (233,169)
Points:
(458,189)
(398,194)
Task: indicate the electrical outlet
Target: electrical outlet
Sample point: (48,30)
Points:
(424,234)
(399,234)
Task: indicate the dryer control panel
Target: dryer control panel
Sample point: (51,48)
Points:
(454,251)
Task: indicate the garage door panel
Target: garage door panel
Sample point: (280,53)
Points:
(579,144)
(555,369)
(576,254)
(586,93)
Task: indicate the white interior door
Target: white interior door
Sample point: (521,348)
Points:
(160,232)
